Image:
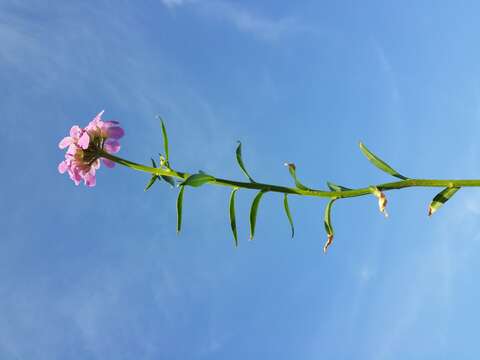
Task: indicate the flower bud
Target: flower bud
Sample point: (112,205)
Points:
(382,201)
(163,161)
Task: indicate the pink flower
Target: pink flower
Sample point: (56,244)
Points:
(85,146)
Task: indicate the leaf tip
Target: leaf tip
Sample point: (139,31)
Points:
(328,243)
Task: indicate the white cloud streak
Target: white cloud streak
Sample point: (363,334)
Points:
(241,18)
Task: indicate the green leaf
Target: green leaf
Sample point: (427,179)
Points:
(151,182)
(379,163)
(179,208)
(328,224)
(197,180)
(253,212)
(327,220)
(233,222)
(165,140)
(289,215)
(169,180)
(153,178)
(293,172)
(240,161)
(441,198)
(335,187)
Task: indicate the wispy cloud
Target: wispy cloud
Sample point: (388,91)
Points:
(173,3)
(387,68)
(241,18)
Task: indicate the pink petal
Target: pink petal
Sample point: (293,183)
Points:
(62,167)
(111,123)
(75,132)
(108,163)
(115,132)
(84,141)
(66,141)
(99,116)
(96,164)
(112,146)
(90,180)
(72,149)
(75,175)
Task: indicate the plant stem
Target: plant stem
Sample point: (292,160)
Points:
(295,191)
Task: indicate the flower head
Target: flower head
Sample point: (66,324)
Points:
(85,147)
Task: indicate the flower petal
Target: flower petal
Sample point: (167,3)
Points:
(74,175)
(90,180)
(112,146)
(115,132)
(111,123)
(108,163)
(98,117)
(66,141)
(62,167)
(84,141)
(75,132)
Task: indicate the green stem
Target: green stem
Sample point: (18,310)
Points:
(295,191)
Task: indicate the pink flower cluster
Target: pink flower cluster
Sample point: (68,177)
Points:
(82,158)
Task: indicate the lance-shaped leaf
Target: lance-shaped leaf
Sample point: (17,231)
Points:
(233,222)
(151,182)
(335,187)
(293,172)
(441,198)
(240,162)
(289,215)
(153,178)
(253,212)
(165,140)
(179,208)
(197,180)
(169,180)
(379,163)
(327,221)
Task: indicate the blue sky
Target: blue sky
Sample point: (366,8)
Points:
(100,273)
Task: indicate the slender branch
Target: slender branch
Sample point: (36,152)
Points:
(294,191)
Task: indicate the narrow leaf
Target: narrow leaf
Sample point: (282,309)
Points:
(153,178)
(233,222)
(441,198)
(169,180)
(253,213)
(289,215)
(335,187)
(327,221)
(151,182)
(165,140)
(240,161)
(293,172)
(379,163)
(179,208)
(197,180)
